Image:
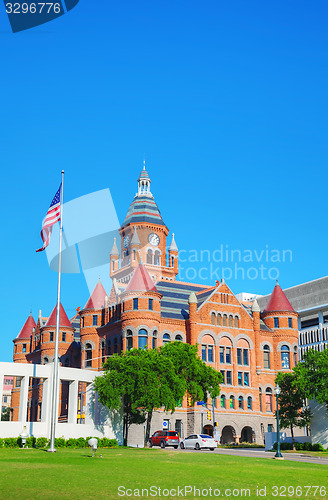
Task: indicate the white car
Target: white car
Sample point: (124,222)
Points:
(199,441)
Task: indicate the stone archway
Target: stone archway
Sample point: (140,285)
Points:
(228,435)
(246,435)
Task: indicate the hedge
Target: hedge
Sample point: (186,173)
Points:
(300,446)
(42,442)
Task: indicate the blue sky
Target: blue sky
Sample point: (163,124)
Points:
(226,100)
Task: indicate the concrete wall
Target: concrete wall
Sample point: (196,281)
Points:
(319,424)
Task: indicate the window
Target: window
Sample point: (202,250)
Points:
(94,320)
(135,304)
(219,319)
(45,360)
(245,356)
(246,378)
(15,348)
(285,357)
(266,357)
(213,318)
(228,355)
(64,336)
(268,400)
(222,355)
(290,322)
(103,353)
(295,356)
(210,356)
(223,375)
(24,348)
(260,398)
(129,340)
(236,322)
(240,378)
(157,260)
(225,320)
(88,355)
(166,338)
(150,304)
(239,360)
(276,322)
(178,338)
(241,402)
(270,427)
(230,320)
(115,345)
(154,341)
(223,400)
(249,403)
(149,257)
(142,339)
(232,402)
(5,399)
(204,353)
(109,347)
(229,378)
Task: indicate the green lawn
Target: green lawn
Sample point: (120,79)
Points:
(75,474)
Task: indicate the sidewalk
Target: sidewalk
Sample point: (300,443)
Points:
(261,453)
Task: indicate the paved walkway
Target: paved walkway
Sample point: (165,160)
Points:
(261,453)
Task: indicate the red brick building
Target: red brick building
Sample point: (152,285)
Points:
(148,306)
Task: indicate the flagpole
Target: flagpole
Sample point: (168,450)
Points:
(54,408)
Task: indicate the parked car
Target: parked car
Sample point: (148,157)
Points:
(164,438)
(199,441)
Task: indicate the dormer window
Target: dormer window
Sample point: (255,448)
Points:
(290,322)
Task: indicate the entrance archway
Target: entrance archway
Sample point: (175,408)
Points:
(228,435)
(246,435)
(208,429)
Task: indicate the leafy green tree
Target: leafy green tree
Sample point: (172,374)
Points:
(5,415)
(143,380)
(312,375)
(292,411)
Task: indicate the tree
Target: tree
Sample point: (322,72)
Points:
(5,415)
(142,380)
(312,375)
(292,411)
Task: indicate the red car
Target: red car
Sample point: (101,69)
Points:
(164,438)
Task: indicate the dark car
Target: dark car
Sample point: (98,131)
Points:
(164,438)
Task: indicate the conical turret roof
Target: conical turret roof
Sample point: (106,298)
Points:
(278,301)
(97,298)
(141,281)
(27,329)
(63,319)
(114,250)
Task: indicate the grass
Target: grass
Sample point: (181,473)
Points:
(30,474)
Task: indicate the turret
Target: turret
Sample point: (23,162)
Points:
(114,258)
(23,340)
(135,248)
(173,254)
(192,321)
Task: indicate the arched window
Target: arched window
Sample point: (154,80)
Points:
(115,345)
(285,357)
(230,320)
(208,348)
(213,318)
(268,400)
(172,261)
(236,322)
(249,403)
(154,343)
(260,398)
(241,402)
(232,401)
(142,339)
(178,338)
(129,340)
(109,347)
(88,355)
(157,258)
(103,351)
(266,357)
(295,355)
(149,257)
(223,401)
(166,338)
(45,360)
(219,320)
(225,320)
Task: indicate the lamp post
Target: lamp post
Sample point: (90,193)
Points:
(278,455)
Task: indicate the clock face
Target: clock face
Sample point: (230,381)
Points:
(153,239)
(126,241)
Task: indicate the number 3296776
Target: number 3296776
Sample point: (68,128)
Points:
(33,8)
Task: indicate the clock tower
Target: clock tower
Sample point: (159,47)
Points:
(143,238)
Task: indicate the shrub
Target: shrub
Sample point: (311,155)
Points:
(317,447)
(1,443)
(60,443)
(81,443)
(42,442)
(71,443)
(10,442)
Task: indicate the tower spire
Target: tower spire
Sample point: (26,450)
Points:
(144,182)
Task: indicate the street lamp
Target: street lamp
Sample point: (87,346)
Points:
(278,455)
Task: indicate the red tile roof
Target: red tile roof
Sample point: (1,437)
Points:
(97,298)
(278,301)
(63,319)
(141,281)
(27,329)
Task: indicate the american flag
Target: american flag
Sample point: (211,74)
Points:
(53,216)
